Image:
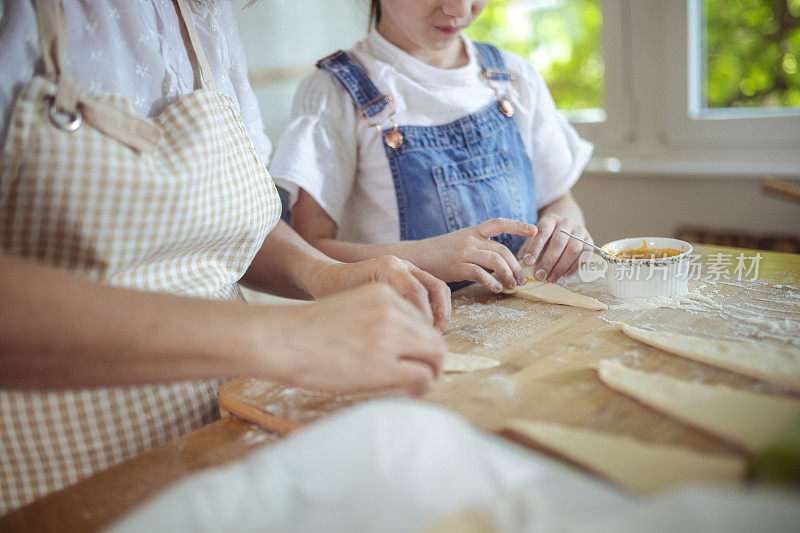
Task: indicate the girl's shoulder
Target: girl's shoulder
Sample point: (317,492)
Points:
(321,88)
(319,91)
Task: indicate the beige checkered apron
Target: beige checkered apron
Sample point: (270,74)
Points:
(179,203)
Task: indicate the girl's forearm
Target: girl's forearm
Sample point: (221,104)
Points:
(58,330)
(565,206)
(317,227)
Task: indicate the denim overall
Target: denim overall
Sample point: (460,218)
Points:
(455,175)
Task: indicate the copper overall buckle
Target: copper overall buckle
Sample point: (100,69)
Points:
(504,101)
(393,138)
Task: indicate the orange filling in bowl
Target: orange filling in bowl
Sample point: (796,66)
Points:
(643,252)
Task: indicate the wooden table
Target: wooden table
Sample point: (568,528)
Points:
(547,353)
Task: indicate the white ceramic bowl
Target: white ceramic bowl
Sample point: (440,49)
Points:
(638,278)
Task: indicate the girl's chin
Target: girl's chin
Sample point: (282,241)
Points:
(441,40)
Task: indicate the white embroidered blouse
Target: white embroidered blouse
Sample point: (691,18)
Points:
(134,48)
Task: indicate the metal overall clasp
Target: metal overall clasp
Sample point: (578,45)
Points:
(393,138)
(504,101)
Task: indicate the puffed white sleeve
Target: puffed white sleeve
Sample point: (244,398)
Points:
(318,150)
(557,152)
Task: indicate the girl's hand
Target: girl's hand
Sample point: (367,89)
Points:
(554,253)
(471,255)
(429,295)
(368,338)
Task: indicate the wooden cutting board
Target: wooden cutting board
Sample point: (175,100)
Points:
(548,353)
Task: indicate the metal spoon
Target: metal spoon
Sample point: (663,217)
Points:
(602,253)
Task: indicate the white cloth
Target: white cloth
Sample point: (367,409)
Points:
(394,466)
(328,151)
(388,466)
(133,48)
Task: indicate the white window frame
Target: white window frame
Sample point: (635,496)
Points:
(619,125)
(653,124)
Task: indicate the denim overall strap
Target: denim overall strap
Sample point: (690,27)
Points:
(353,78)
(492,61)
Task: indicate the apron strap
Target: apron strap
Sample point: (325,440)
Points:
(353,78)
(138,133)
(52,35)
(53,42)
(206,76)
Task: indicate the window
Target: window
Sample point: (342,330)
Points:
(683,87)
(562,38)
(729,92)
(747,57)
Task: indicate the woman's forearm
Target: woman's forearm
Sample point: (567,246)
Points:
(289,266)
(58,330)
(286,265)
(350,252)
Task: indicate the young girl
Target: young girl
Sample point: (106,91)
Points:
(417,140)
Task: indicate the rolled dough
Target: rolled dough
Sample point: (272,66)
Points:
(462,362)
(543,291)
(770,363)
(638,466)
(743,418)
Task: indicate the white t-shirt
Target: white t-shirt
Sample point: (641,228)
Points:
(328,151)
(134,49)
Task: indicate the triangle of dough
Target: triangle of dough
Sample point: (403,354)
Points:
(770,363)
(636,465)
(462,362)
(744,418)
(543,291)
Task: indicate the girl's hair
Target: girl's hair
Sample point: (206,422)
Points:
(374,13)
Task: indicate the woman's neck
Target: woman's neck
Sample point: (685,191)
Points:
(453,56)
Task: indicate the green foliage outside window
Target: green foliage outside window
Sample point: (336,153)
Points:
(560,37)
(752,53)
(752,48)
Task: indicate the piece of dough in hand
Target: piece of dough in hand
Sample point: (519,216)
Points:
(462,362)
(770,363)
(542,291)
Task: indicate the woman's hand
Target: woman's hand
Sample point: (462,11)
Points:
(429,295)
(471,255)
(365,339)
(553,253)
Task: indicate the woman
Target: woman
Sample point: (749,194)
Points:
(121,237)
